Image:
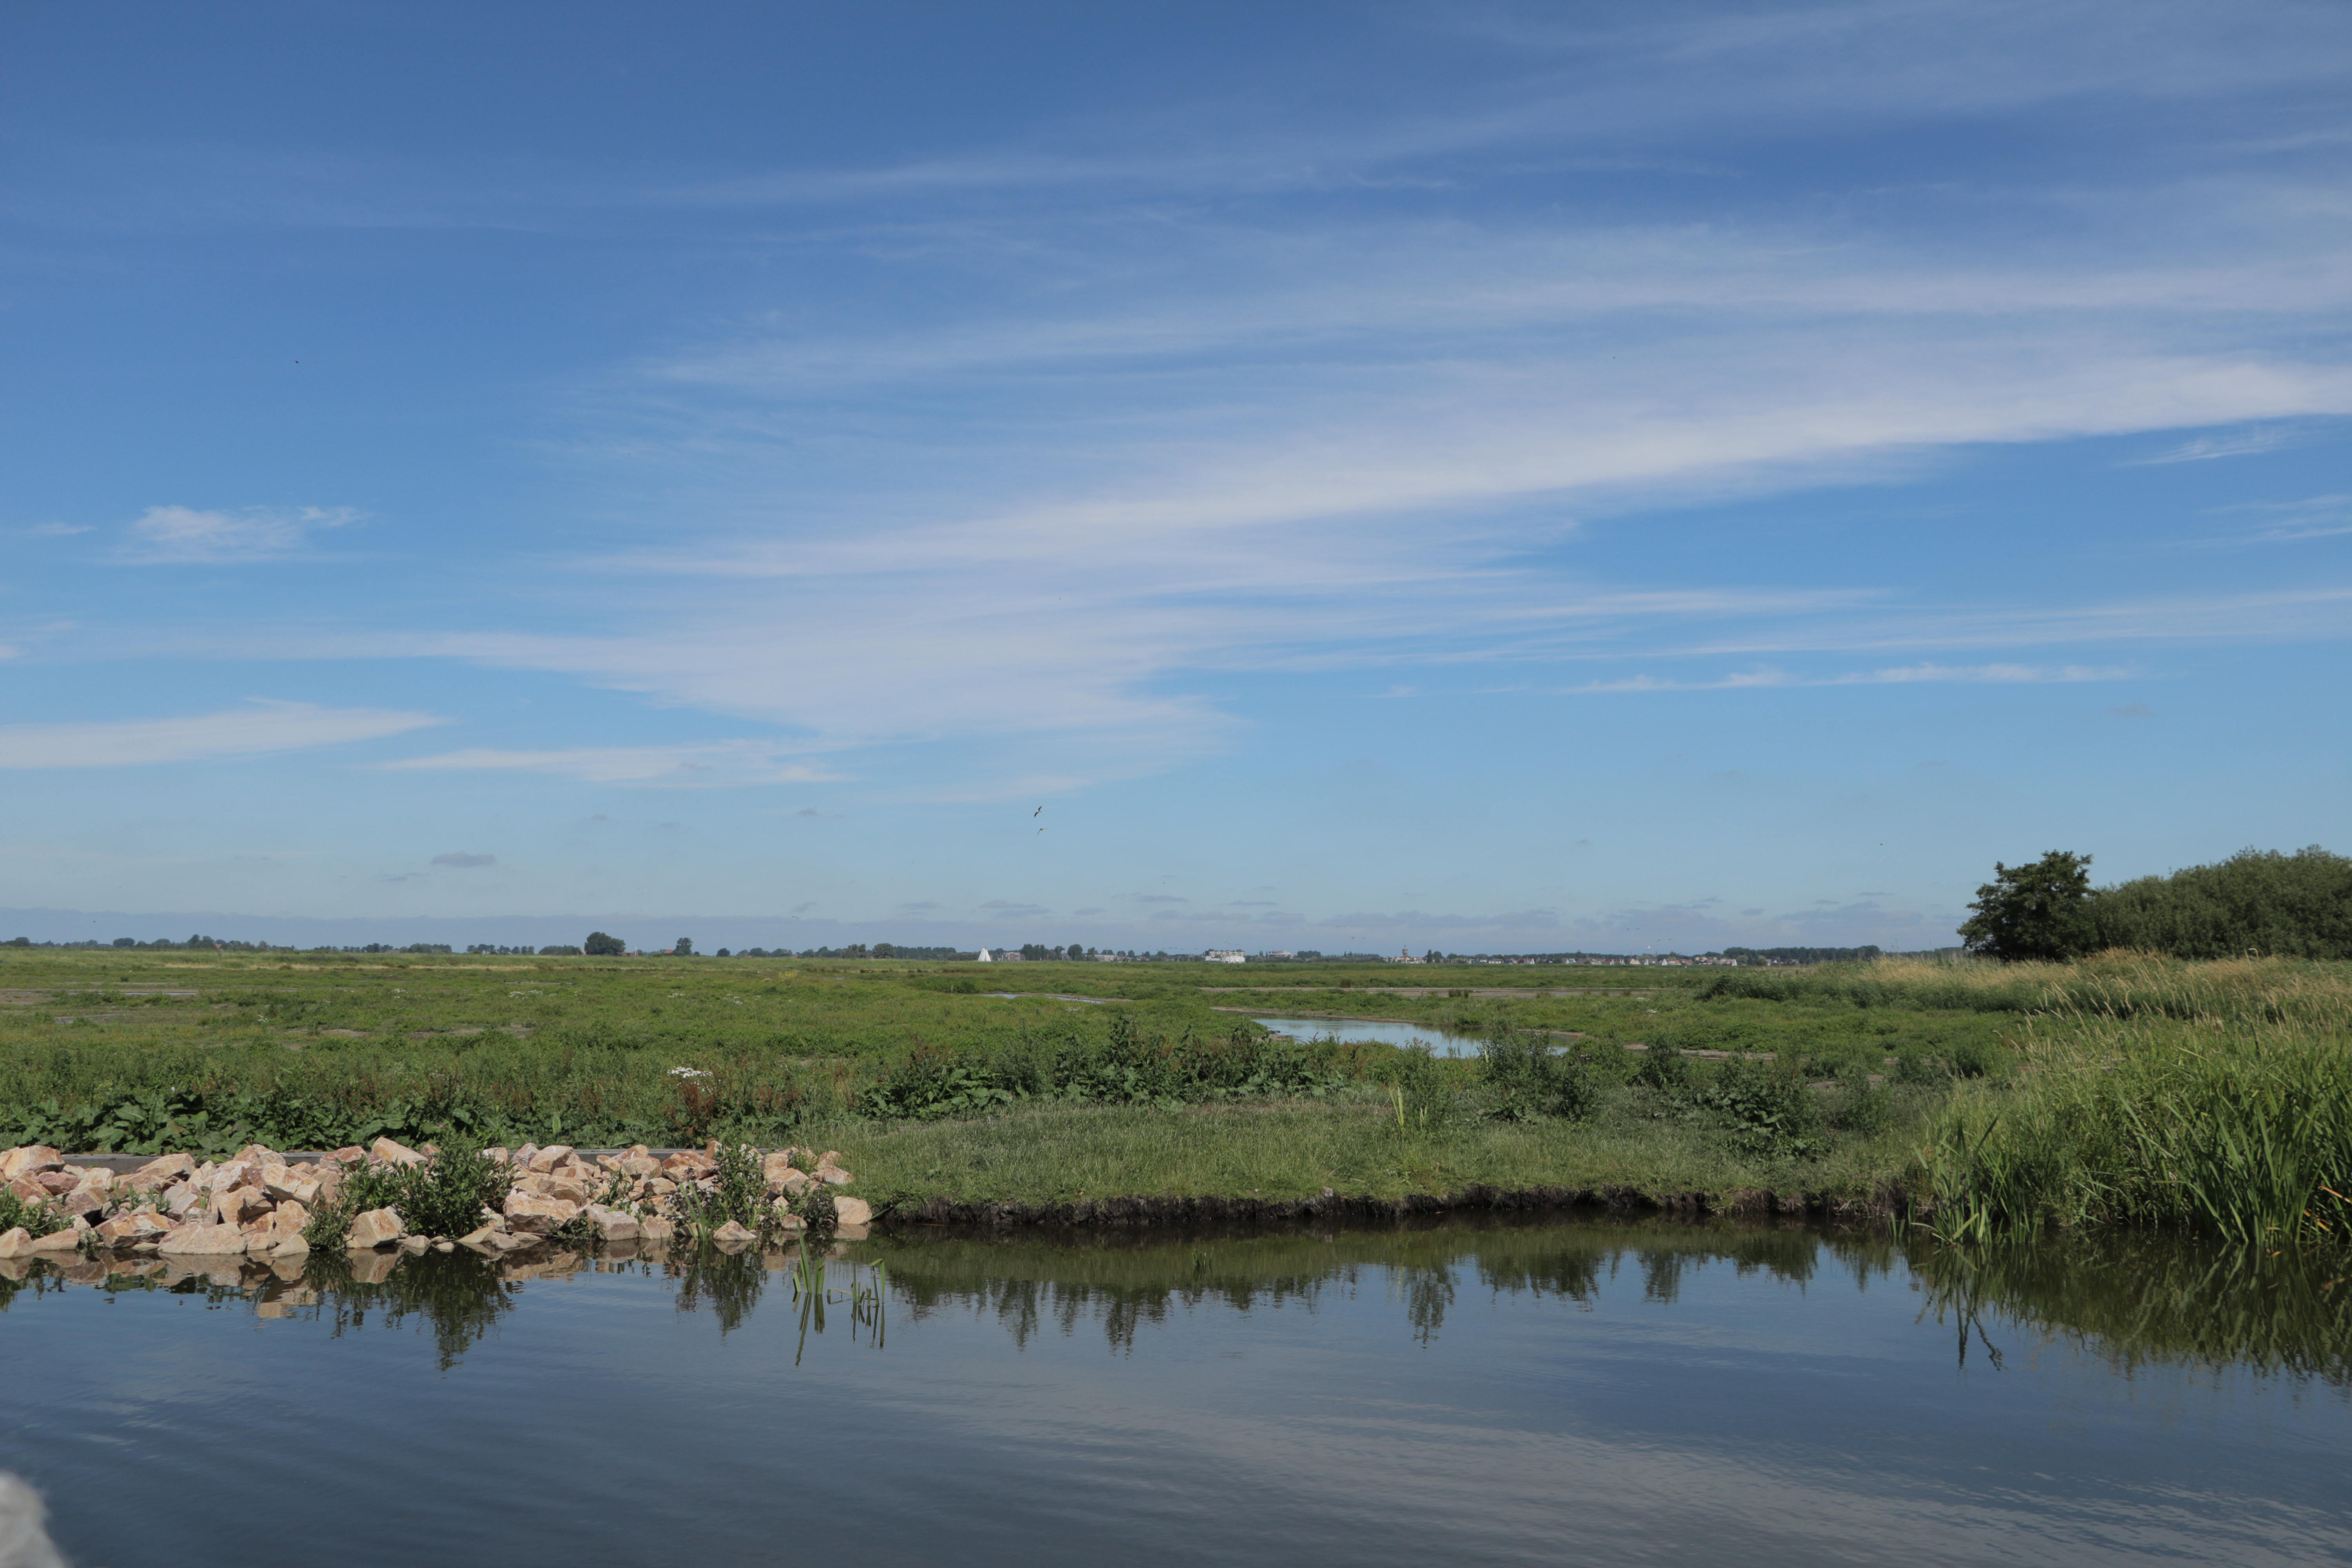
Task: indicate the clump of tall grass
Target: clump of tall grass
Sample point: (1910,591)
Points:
(2117,983)
(1420,1092)
(2237,1121)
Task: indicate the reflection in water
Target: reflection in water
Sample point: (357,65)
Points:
(1122,1283)
(728,1283)
(1505,1390)
(2132,1300)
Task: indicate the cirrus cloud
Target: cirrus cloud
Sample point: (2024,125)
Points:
(265,727)
(179,533)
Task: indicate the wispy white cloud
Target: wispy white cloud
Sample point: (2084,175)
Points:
(2291,615)
(1906,674)
(165,534)
(710,764)
(2289,522)
(2204,448)
(263,728)
(1839,61)
(1117,433)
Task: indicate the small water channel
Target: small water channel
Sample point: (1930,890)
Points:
(1466,1391)
(1384,1032)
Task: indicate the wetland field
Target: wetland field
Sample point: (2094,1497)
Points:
(1943,1264)
(2118,1088)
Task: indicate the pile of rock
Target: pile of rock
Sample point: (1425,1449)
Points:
(260,1202)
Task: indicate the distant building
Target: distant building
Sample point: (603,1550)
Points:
(1403,957)
(1224,956)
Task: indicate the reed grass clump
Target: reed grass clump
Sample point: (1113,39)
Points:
(2143,1111)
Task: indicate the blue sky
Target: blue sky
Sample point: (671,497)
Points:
(1483,477)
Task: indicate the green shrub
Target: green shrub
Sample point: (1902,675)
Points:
(1862,1106)
(2256,901)
(1970,1059)
(742,1194)
(816,1206)
(1663,1068)
(1529,1078)
(448,1194)
(1915,1066)
(39,1218)
(1766,1107)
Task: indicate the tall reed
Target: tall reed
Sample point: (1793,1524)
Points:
(2220,1101)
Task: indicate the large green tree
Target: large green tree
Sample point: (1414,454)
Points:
(599,945)
(2041,911)
(2258,900)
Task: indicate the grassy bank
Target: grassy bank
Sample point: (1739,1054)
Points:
(1351,1145)
(2119,1091)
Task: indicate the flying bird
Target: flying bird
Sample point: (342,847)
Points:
(1039,812)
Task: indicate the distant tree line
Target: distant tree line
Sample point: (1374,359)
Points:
(858,950)
(1803,954)
(221,944)
(2256,901)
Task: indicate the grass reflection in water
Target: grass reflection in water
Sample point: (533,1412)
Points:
(2132,1300)
(2137,1299)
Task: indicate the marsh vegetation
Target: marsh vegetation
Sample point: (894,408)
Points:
(1981,1098)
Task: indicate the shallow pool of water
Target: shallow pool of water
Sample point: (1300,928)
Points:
(1461,1392)
(1386,1034)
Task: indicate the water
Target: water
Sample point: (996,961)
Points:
(1438,1040)
(1472,1392)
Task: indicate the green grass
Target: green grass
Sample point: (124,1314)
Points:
(35,1218)
(2214,1097)
(1291,1149)
(2121,1090)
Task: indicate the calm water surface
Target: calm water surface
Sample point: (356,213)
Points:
(1538,1393)
(1387,1034)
